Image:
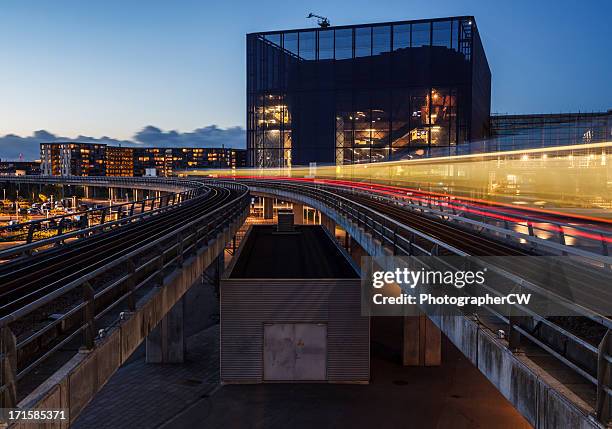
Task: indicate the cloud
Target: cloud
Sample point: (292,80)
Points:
(12,146)
(211,136)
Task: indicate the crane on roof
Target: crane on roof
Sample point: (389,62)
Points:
(321,20)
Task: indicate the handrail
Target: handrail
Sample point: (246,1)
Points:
(554,235)
(146,263)
(185,190)
(5,320)
(531,238)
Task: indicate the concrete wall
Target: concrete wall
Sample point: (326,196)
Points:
(73,386)
(536,394)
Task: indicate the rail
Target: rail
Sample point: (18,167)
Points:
(57,229)
(133,272)
(531,232)
(403,240)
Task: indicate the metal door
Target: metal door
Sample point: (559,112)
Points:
(295,352)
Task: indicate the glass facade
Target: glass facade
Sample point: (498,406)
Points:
(513,132)
(365,93)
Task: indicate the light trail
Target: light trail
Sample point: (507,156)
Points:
(569,182)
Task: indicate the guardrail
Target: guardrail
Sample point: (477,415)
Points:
(529,232)
(87,222)
(110,181)
(404,240)
(138,269)
(526,231)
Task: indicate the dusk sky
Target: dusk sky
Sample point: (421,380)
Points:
(112,67)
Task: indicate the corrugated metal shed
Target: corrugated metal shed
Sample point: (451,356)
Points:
(249,304)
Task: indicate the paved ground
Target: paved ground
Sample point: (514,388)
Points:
(141,395)
(454,396)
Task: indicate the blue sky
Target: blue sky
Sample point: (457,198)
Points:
(112,67)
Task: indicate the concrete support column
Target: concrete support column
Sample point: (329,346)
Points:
(166,343)
(298,213)
(422,342)
(328,223)
(268,207)
(356,251)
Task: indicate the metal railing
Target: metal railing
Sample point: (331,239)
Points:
(529,232)
(141,268)
(57,229)
(403,240)
(109,181)
(526,231)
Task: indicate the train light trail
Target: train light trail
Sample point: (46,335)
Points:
(567,181)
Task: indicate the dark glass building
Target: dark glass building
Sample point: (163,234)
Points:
(365,93)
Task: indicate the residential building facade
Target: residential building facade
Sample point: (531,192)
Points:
(88,159)
(72,159)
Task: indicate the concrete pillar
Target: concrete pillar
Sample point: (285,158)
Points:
(202,299)
(328,223)
(356,251)
(166,343)
(298,213)
(268,208)
(422,342)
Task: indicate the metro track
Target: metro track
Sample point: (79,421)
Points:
(589,282)
(477,246)
(589,279)
(25,280)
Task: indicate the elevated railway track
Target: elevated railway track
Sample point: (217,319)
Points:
(60,296)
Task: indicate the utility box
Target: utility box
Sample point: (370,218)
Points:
(291,310)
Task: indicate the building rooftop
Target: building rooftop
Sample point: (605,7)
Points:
(371,24)
(309,253)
